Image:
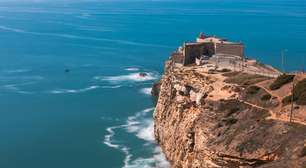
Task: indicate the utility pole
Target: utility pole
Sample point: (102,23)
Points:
(303,65)
(283,59)
(217,61)
(292,98)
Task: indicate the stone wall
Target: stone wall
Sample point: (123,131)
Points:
(196,50)
(231,49)
(209,49)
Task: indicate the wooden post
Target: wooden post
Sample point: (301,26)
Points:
(217,63)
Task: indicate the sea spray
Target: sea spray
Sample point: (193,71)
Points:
(146,91)
(141,125)
(132,77)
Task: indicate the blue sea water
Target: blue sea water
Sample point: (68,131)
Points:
(100,113)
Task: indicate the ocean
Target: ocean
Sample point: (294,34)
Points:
(70,93)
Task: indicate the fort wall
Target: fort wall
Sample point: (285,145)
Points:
(230,49)
(196,50)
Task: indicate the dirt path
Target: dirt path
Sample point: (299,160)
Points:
(272,113)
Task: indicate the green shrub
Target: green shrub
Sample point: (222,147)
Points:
(299,94)
(252,90)
(232,111)
(224,70)
(244,79)
(265,97)
(230,74)
(230,121)
(302,99)
(303,152)
(287,100)
(281,80)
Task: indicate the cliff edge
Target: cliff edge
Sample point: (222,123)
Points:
(221,118)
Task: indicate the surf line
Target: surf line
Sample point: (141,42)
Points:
(136,125)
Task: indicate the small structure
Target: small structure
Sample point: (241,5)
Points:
(205,47)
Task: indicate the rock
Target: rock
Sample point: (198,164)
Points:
(195,132)
(143,74)
(156,89)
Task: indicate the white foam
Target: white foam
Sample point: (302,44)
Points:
(16,89)
(142,126)
(63,91)
(147,132)
(23,92)
(70,36)
(146,91)
(12,29)
(128,156)
(148,110)
(132,77)
(17,71)
(111,87)
(132,69)
(158,160)
(11,87)
(95,28)
(108,138)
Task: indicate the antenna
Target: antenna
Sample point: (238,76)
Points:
(283,59)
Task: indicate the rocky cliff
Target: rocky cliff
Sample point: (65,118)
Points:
(226,119)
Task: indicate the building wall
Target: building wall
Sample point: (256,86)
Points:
(231,49)
(196,50)
(191,51)
(209,49)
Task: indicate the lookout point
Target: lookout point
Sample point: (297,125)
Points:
(218,108)
(213,52)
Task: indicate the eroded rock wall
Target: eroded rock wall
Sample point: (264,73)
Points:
(195,128)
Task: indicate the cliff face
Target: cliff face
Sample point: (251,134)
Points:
(224,119)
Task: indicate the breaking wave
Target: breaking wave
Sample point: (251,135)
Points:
(158,160)
(141,125)
(61,91)
(132,69)
(146,91)
(132,77)
(72,91)
(17,71)
(16,88)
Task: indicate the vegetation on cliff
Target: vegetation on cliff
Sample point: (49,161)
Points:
(299,94)
(243,79)
(281,80)
(238,123)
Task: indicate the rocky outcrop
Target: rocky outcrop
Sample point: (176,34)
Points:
(156,89)
(202,121)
